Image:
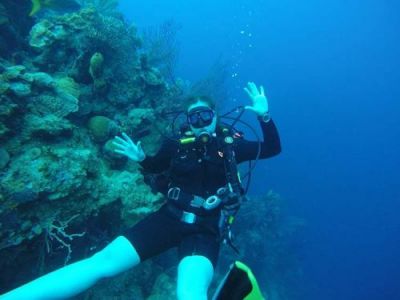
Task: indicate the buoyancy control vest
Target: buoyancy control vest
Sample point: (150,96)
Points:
(201,167)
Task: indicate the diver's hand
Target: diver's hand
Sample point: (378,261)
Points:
(126,147)
(260,102)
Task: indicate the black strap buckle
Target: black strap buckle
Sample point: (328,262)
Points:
(173,193)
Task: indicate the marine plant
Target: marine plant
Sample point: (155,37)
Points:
(161,47)
(103,6)
(56,231)
(214,83)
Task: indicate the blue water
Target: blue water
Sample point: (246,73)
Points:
(331,72)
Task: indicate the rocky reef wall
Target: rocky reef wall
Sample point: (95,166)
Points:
(70,82)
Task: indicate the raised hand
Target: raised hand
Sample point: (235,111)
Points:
(260,102)
(127,147)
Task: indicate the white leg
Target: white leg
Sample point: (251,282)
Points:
(194,277)
(70,280)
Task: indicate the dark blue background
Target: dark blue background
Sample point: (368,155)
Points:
(331,72)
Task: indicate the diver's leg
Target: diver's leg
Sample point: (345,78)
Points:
(70,280)
(195,273)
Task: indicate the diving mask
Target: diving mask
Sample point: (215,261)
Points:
(200,116)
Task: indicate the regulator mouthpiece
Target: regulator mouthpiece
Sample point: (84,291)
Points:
(204,137)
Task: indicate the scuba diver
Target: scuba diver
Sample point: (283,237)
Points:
(203,194)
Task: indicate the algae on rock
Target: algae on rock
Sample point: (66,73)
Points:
(57,128)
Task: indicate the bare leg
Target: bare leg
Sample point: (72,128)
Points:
(70,280)
(194,277)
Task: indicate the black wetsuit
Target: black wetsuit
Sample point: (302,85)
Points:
(197,169)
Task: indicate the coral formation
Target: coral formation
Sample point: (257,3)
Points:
(96,71)
(54,125)
(96,65)
(71,82)
(101,127)
(67,87)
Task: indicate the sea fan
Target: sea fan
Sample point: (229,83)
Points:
(103,6)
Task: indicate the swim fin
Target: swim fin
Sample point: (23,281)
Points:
(238,284)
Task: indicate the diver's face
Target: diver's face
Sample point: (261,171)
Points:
(201,118)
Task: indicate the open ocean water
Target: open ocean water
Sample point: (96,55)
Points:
(331,73)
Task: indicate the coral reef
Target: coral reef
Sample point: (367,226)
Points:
(70,83)
(162,47)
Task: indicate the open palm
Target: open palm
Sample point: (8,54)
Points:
(259,100)
(127,147)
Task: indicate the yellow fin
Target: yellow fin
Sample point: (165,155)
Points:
(36,6)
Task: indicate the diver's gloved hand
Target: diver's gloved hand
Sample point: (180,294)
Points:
(127,147)
(260,102)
